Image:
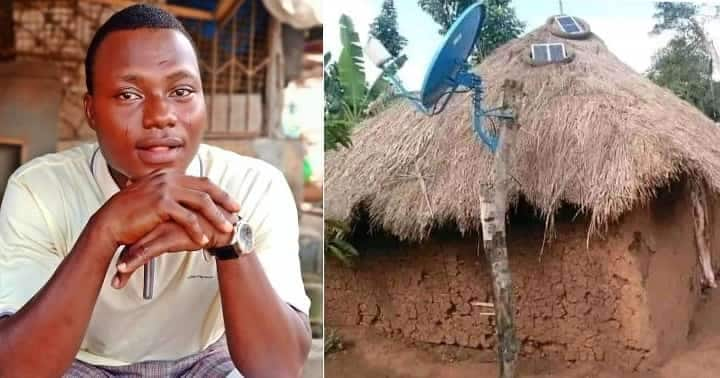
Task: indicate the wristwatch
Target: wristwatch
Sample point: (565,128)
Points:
(242,243)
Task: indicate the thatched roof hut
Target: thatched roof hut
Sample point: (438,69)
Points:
(593,133)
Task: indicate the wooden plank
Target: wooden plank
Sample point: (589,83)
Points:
(225,136)
(226,8)
(235,113)
(11,141)
(177,10)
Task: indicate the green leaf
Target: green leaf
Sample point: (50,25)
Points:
(335,243)
(345,247)
(337,133)
(350,67)
(335,252)
(334,225)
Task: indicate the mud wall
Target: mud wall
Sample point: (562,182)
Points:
(627,299)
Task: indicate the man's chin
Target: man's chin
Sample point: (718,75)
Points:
(143,165)
(175,167)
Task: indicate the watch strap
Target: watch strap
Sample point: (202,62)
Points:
(226,252)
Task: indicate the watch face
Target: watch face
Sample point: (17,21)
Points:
(245,237)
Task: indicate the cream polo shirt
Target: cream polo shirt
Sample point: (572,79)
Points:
(49,200)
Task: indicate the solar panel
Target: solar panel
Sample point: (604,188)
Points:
(540,53)
(548,52)
(569,25)
(557,52)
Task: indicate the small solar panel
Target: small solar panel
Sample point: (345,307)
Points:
(548,52)
(540,54)
(557,52)
(568,24)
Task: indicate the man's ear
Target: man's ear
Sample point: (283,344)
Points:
(89,110)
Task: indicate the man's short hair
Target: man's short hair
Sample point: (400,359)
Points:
(133,17)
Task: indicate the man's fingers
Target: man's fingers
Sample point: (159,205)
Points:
(120,279)
(188,221)
(203,204)
(128,263)
(139,251)
(139,254)
(218,195)
(232,218)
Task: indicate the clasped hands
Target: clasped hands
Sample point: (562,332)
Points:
(165,212)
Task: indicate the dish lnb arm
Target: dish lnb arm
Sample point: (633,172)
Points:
(382,59)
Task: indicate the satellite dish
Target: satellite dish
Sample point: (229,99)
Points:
(449,70)
(450,59)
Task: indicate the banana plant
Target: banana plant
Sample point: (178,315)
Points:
(347,93)
(337,127)
(347,100)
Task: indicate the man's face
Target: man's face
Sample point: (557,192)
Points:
(147,107)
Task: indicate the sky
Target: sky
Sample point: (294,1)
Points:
(624,25)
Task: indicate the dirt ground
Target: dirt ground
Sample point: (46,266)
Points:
(369,354)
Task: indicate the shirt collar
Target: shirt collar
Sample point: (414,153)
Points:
(108,187)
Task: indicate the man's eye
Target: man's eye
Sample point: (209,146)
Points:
(182,92)
(127,96)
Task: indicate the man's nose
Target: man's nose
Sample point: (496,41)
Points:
(158,113)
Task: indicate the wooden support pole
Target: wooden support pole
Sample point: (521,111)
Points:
(698,199)
(274,82)
(493,211)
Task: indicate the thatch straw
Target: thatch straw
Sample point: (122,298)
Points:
(593,133)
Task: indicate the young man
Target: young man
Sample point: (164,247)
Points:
(75,226)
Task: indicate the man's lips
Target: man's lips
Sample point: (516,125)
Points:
(159,150)
(149,143)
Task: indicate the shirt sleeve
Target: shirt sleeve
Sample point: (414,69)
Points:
(28,255)
(277,243)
